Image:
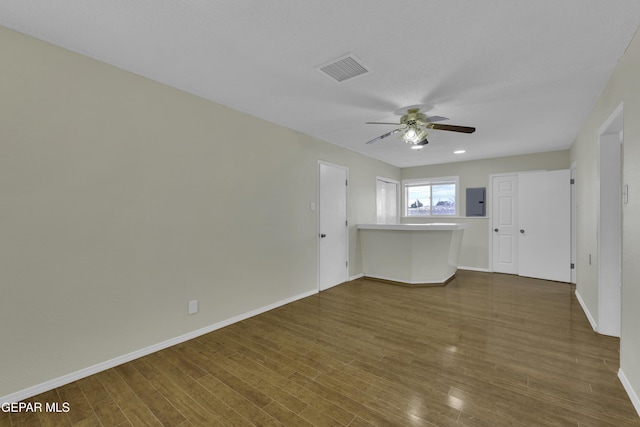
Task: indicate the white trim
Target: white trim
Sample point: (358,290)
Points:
(435,226)
(398,195)
(574,224)
(103,366)
(593,323)
(447,217)
(356,277)
(618,112)
(482,270)
(609,223)
(635,400)
(446,279)
(389,180)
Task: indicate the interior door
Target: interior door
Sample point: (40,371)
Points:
(544,200)
(332,226)
(504,195)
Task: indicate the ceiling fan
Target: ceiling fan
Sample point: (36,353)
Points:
(414,127)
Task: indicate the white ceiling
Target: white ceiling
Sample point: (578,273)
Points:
(524,73)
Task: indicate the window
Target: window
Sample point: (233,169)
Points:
(432,196)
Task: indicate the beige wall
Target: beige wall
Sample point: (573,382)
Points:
(474,253)
(623,87)
(123,199)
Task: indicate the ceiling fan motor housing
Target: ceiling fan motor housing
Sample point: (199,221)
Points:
(413,117)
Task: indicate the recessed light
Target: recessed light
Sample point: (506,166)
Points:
(459,152)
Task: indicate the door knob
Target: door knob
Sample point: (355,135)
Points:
(322,236)
(495,229)
(522,231)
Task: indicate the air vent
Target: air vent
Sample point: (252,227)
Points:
(344,68)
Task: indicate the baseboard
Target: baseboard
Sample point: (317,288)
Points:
(635,400)
(83,373)
(442,282)
(482,270)
(592,321)
(356,277)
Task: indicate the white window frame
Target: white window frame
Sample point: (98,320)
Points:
(430,181)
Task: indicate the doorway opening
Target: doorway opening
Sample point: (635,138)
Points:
(387,205)
(610,144)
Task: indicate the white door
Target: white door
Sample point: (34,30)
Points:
(332,226)
(504,194)
(544,223)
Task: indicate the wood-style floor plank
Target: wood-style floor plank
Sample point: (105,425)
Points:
(133,407)
(485,350)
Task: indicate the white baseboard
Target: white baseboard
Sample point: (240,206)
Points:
(635,400)
(103,366)
(435,282)
(357,276)
(592,321)
(482,270)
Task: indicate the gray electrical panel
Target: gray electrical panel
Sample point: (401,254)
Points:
(475,201)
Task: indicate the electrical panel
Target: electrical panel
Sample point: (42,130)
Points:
(476,202)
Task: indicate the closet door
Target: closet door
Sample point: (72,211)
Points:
(504,224)
(333,231)
(544,225)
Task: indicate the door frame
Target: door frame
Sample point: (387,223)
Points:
(346,242)
(574,222)
(610,144)
(398,195)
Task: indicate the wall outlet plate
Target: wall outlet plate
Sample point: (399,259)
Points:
(193,306)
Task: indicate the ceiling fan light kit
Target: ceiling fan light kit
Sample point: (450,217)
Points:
(414,127)
(413,134)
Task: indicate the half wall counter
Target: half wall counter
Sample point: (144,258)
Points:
(411,254)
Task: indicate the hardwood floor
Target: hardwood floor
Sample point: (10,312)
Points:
(486,350)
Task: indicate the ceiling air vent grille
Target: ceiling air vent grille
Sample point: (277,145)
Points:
(344,68)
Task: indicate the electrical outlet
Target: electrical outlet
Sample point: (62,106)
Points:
(193,306)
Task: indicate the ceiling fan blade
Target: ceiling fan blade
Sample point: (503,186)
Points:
(382,123)
(431,119)
(383,136)
(453,128)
